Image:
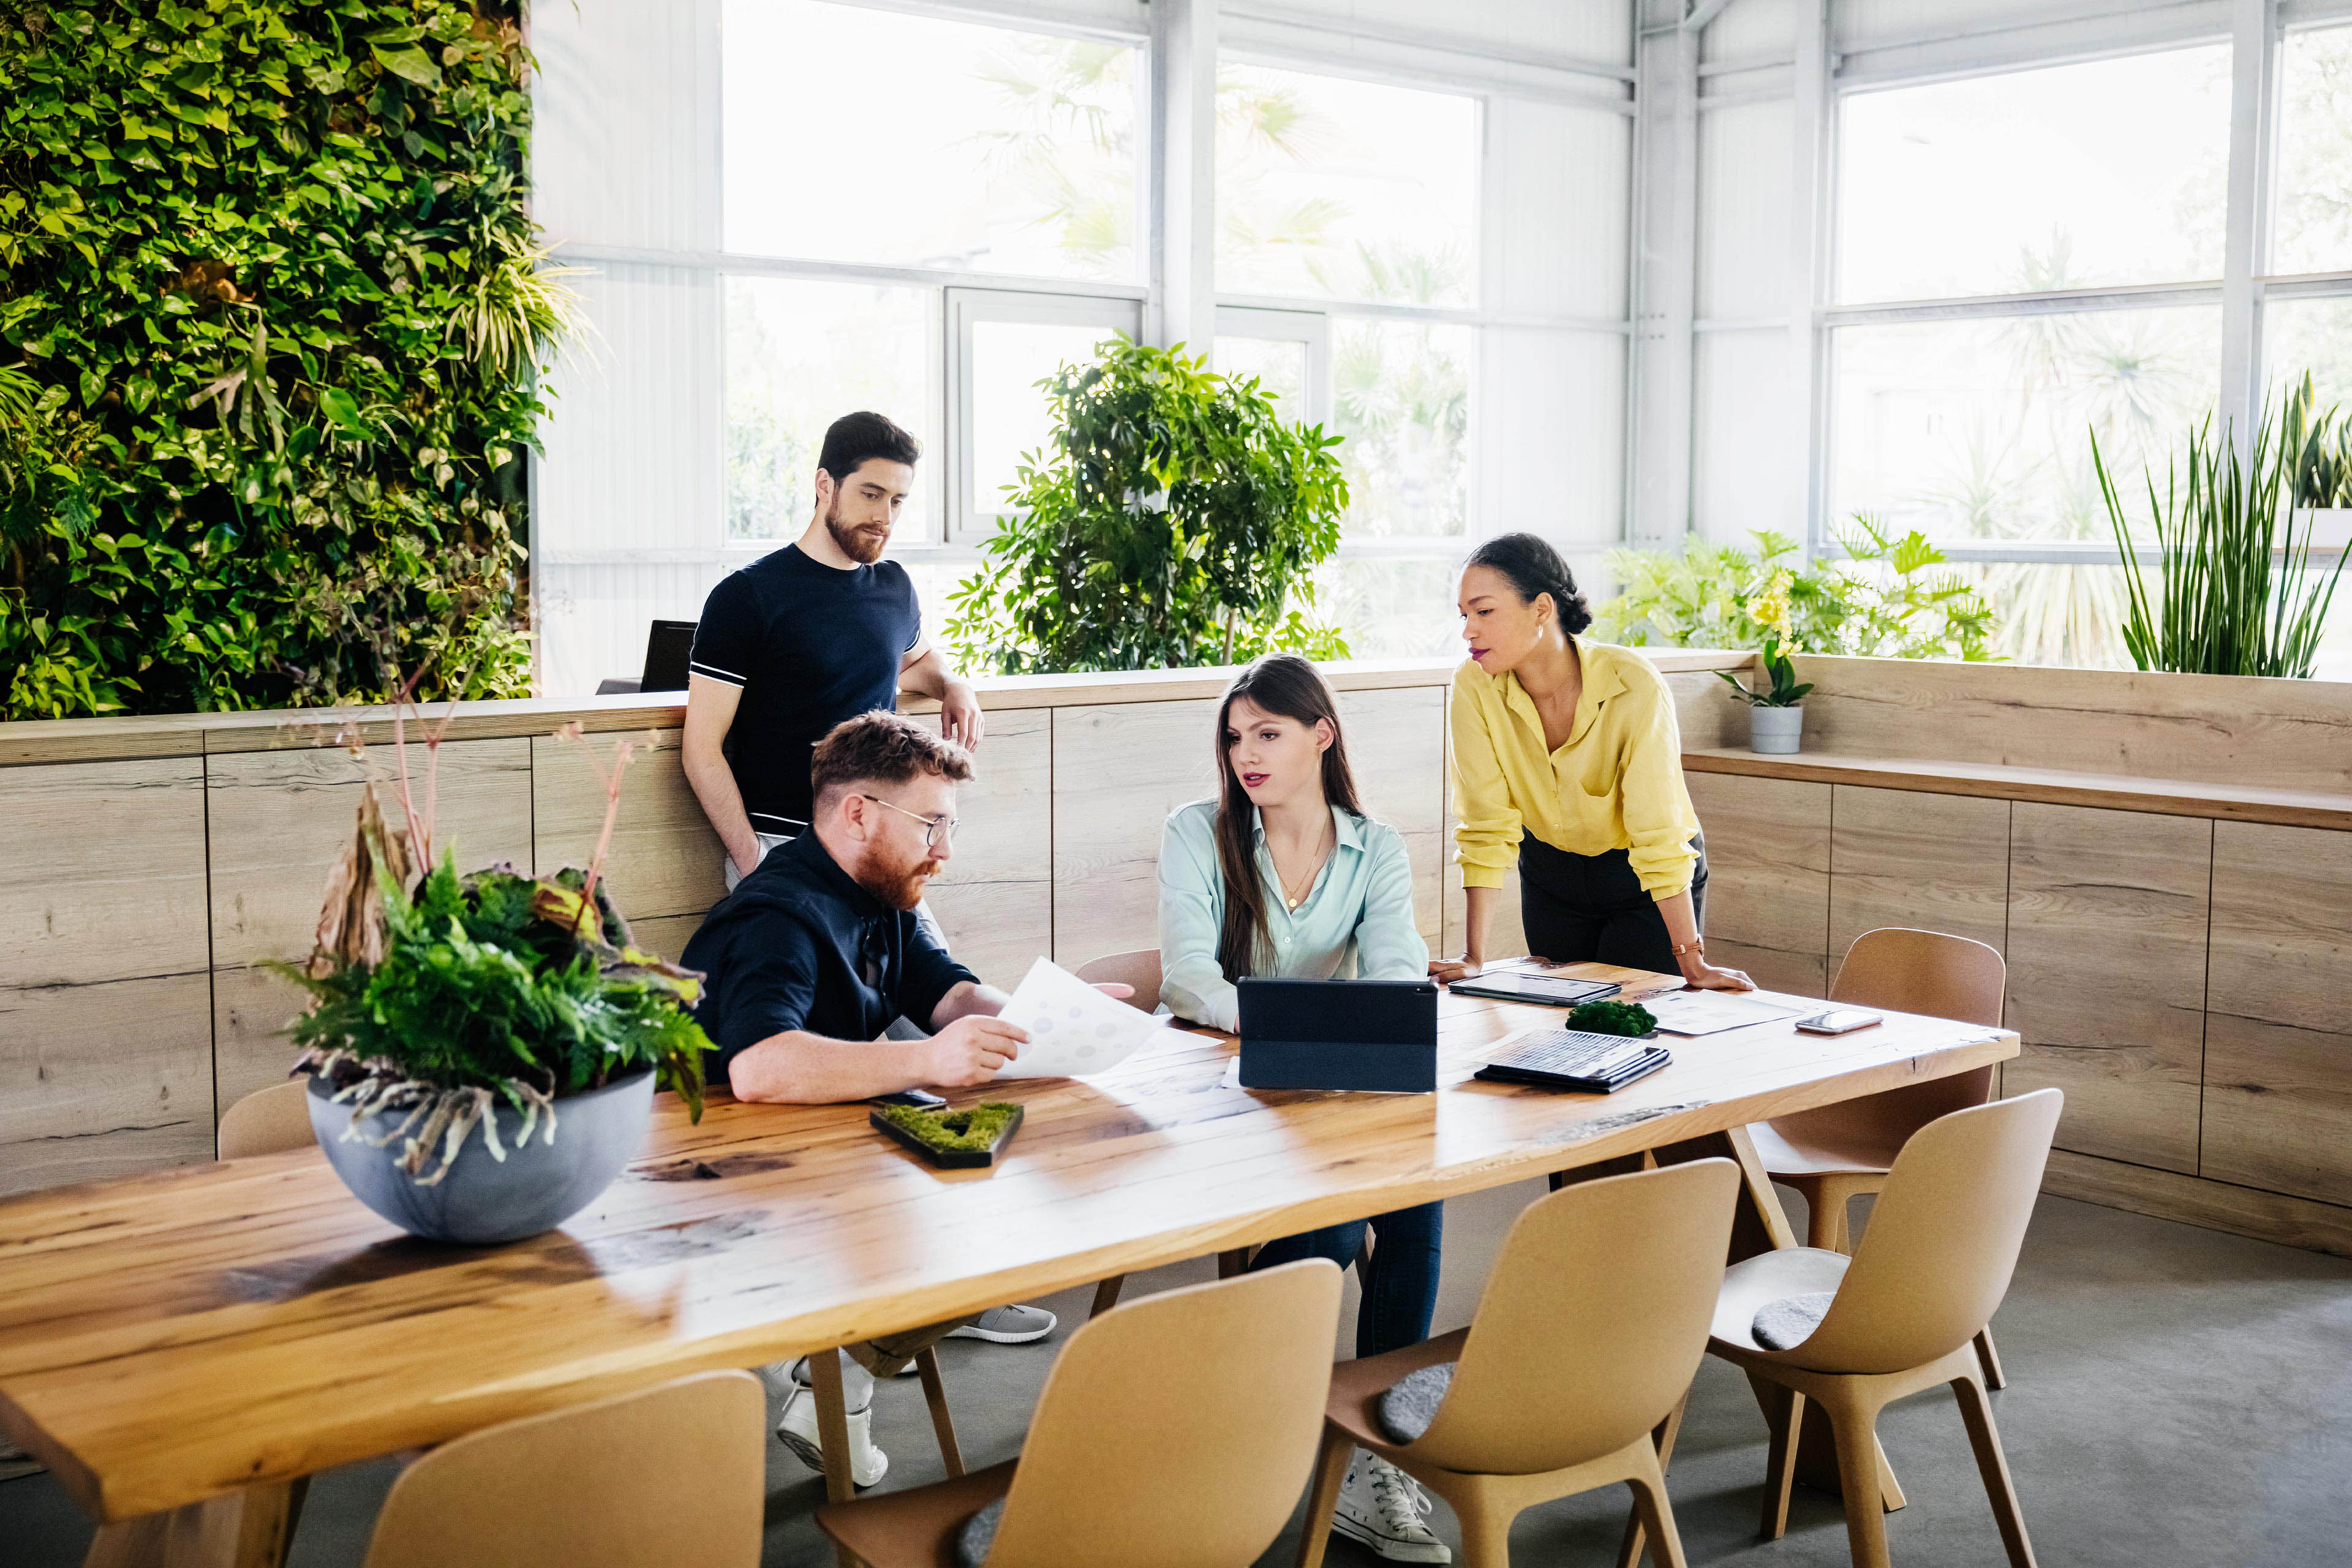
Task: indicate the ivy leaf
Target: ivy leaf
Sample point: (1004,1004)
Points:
(412,64)
(342,408)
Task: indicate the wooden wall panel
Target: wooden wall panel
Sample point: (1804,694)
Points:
(1767,889)
(1396,745)
(2107,914)
(107,1080)
(665,859)
(2217,729)
(279,821)
(2278,1024)
(1932,862)
(1120,769)
(105,1009)
(996,898)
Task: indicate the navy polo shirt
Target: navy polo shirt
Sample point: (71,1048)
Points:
(799,946)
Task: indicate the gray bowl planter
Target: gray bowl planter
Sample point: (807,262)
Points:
(482,1200)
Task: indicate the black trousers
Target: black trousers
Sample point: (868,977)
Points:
(1590,908)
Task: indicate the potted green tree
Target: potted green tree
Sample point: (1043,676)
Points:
(457,1021)
(1176,521)
(1775,723)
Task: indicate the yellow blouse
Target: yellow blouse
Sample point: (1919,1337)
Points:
(1615,783)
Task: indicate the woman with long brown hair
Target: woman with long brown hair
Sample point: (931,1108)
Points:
(1283,874)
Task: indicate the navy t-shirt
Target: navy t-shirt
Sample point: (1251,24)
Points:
(811,646)
(799,946)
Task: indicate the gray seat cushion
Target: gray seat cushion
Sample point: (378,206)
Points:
(1790,1322)
(978,1534)
(1410,1402)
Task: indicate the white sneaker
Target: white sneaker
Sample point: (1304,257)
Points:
(797,1428)
(1381,1506)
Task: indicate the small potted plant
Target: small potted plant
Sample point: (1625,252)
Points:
(1775,723)
(458,1021)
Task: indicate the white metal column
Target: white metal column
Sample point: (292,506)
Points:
(1808,198)
(1184,177)
(2254,72)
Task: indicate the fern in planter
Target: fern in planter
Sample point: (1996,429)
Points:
(1176,521)
(2236,590)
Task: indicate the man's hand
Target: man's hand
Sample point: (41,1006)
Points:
(970,1050)
(960,716)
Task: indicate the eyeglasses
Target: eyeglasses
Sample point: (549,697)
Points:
(936,829)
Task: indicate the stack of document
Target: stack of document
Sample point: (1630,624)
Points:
(1073,1029)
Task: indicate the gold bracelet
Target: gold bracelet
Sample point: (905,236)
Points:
(1698,947)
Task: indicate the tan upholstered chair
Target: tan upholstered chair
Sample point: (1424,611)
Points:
(1838,1152)
(673,1477)
(1139,969)
(1126,1464)
(1591,1324)
(1933,1266)
(266,1121)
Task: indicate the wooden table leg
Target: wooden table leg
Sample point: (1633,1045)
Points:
(833,1435)
(246,1529)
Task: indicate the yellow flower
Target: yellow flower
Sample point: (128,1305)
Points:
(1770,609)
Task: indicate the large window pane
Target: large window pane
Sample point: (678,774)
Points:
(1393,607)
(1278,363)
(2313,230)
(2313,335)
(799,356)
(1345,190)
(1983,429)
(1401,397)
(1011,417)
(876,136)
(2072,176)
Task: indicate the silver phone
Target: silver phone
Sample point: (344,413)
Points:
(1837,1021)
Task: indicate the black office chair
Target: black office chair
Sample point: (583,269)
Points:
(668,645)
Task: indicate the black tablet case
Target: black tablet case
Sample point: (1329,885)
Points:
(1376,1035)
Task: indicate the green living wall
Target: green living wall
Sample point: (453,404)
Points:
(271,322)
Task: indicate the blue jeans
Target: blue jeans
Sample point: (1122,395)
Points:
(1400,1287)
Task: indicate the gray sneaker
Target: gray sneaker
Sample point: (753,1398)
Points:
(1009,1326)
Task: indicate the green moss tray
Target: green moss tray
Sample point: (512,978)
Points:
(952,1140)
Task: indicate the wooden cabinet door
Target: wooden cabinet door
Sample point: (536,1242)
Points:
(1768,887)
(1931,862)
(2278,1021)
(2106,975)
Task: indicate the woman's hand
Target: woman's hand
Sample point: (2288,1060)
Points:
(1447,971)
(1698,975)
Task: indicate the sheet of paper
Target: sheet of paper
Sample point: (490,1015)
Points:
(1073,1029)
(1711,1012)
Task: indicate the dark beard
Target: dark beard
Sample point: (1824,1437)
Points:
(863,548)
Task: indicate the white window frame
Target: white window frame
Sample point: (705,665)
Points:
(1311,329)
(970,519)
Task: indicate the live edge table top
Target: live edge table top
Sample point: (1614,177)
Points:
(171,1338)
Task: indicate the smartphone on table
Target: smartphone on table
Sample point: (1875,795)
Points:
(1837,1021)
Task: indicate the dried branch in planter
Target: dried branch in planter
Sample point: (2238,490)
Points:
(351,922)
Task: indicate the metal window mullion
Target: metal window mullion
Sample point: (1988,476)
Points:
(1812,203)
(2253,84)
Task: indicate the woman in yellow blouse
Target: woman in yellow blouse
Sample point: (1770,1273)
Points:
(1566,756)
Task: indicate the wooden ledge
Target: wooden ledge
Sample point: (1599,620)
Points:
(25,743)
(2116,792)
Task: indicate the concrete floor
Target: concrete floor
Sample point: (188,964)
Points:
(2177,1397)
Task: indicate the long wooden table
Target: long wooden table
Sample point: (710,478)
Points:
(206,1335)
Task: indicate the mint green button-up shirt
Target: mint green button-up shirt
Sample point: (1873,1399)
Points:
(1357,922)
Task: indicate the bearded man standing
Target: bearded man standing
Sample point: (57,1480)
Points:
(817,632)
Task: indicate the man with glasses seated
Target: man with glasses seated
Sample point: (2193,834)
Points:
(816,951)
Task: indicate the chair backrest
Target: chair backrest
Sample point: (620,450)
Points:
(1139,969)
(673,1477)
(1922,971)
(1593,1322)
(1943,1239)
(669,646)
(266,1121)
(1908,971)
(1176,1432)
